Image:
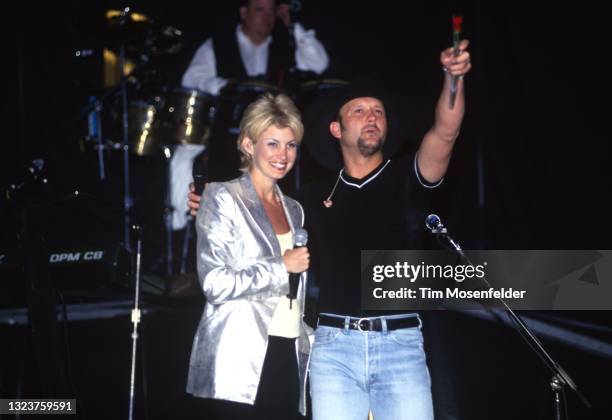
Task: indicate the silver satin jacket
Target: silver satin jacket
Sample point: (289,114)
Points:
(241,270)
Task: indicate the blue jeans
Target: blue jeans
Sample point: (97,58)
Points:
(354,371)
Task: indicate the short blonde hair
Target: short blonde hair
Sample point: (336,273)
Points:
(266,111)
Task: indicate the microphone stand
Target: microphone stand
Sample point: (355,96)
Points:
(127,198)
(135,318)
(560,378)
(96,106)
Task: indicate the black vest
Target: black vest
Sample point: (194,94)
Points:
(281,55)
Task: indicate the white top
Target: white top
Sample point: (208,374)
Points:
(181,173)
(310,55)
(285,320)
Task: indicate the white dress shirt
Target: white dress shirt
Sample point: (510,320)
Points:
(310,55)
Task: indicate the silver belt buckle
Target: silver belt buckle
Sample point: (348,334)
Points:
(359,324)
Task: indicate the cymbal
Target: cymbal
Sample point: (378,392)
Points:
(140,33)
(113,16)
(126,27)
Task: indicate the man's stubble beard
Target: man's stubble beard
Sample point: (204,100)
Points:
(368,150)
(364,149)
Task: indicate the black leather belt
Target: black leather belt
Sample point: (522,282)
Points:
(369,324)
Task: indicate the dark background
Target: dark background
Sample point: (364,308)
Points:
(530,169)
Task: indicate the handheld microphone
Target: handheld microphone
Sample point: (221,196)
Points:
(295,6)
(300,238)
(200,172)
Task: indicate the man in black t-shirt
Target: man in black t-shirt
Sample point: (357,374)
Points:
(366,360)
(372,360)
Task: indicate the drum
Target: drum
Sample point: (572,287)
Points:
(184,116)
(141,128)
(234,100)
(141,117)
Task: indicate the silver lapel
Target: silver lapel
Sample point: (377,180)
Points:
(255,209)
(288,214)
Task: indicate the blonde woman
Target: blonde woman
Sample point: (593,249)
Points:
(251,346)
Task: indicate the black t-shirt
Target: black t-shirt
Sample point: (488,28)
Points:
(383,211)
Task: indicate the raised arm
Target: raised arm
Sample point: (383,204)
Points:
(310,54)
(202,71)
(437,145)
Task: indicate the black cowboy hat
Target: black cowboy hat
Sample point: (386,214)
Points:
(319,142)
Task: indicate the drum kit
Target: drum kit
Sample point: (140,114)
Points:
(141,118)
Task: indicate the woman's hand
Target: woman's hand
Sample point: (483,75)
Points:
(296,260)
(193,200)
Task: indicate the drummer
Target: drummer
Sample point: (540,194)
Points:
(258,46)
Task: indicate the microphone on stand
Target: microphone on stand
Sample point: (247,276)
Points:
(560,377)
(294,7)
(434,223)
(300,238)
